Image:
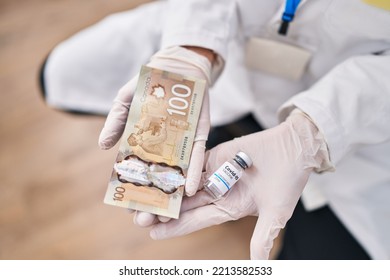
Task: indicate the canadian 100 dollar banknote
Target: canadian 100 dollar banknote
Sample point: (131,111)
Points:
(155,149)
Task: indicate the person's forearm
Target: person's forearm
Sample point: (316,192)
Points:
(201,23)
(209,54)
(350,105)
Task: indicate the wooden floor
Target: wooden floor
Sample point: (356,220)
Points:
(52,174)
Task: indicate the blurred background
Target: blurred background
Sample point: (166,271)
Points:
(53,176)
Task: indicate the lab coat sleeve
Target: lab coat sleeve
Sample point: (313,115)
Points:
(350,105)
(202,23)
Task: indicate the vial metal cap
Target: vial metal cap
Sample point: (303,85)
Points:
(245,158)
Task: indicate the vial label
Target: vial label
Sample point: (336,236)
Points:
(225,177)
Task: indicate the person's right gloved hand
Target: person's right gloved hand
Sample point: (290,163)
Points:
(283,158)
(177,60)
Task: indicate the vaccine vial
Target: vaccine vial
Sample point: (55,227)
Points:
(227,175)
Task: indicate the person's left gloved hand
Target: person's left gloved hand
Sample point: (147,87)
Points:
(283,158)
(184,61)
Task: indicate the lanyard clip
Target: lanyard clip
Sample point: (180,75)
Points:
(286,19)
(288,15)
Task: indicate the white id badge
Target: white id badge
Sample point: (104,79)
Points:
(276,58)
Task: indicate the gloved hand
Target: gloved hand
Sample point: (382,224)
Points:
(283,158)
(178,60)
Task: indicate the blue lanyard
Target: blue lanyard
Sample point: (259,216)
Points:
(288,15)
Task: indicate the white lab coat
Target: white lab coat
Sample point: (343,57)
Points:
(345,88)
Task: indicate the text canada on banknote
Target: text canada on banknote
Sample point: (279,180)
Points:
(155,149)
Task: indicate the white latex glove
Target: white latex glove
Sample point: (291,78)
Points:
(283,158)
(178,60)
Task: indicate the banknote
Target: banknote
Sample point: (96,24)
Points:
(154,153)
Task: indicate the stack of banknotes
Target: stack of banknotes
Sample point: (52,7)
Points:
(154,153)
